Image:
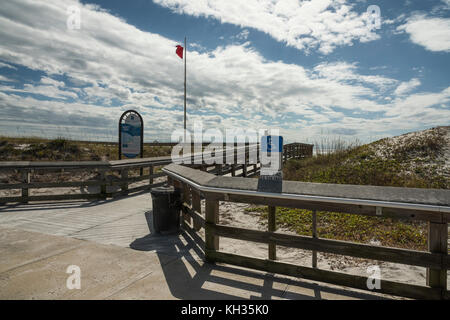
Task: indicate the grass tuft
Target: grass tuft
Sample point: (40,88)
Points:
(350,227)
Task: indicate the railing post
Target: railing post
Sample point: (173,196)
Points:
(186,199)
(103,185)
(258,156)
(218,169)
(272,228)
(244,168)
(196,206)
(211,218)
(437,243)
(26,178)
(314,235)
(123,176)
(233,170)
(150,172)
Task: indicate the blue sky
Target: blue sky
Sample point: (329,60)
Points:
(308,68)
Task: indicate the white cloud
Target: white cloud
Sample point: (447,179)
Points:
(419,105)
(5,65)
(345,72)
(431,33)
(407,87)
(305,25)
(243,35)
(109,62)
(5,79)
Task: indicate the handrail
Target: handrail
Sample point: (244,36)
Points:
(340,200)
(195,183)
(26,169)
(111,164)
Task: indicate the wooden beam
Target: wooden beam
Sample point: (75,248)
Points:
(272,228)
(124,176)
(314,235)
(437,243)
(197,208)
(337,278)
(26,179)
(103,185)
(186,199)
(212,218)
(199,221)
(396,255)
(150,173)
(335,207)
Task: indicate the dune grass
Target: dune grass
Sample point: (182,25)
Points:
(37,149)
(412,161)
(351,227)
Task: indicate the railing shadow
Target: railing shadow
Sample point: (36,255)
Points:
(64,204)
(188,277)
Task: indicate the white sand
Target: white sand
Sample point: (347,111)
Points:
(432,163)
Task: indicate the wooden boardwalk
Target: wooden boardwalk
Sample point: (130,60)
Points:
(39,241)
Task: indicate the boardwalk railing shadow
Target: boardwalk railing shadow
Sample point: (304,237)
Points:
(188,277)
(63,204)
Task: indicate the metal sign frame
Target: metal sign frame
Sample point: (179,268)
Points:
(120,132)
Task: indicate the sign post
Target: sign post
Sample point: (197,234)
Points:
(271,178)
(271,175)
(131,135)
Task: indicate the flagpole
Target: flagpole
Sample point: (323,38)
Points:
(185,54)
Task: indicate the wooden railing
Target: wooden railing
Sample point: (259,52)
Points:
(116,175)
(107,174)
(297,151)
(428,205)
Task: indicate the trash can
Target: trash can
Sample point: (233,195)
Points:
(166,209)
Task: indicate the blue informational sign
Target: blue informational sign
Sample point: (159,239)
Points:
(272,144)
(271,155)
(131,132)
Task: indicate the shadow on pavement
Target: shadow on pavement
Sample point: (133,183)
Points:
(188,277)
(63,204)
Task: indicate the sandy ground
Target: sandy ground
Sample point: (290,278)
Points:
(441,163)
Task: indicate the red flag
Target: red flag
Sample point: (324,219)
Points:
(180,51)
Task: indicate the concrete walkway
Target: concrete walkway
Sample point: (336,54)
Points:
(123,259)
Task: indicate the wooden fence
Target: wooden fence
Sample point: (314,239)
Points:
(297,151)
(428,205)
(116,175)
